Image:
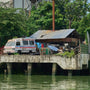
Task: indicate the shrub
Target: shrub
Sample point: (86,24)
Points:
(66,54)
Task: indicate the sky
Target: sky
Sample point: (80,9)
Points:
(89,1)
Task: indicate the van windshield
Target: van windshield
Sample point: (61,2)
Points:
(10,43)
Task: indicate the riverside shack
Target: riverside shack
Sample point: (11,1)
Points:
(64,35)
(58,38)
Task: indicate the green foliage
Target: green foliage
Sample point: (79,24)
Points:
(12,24)
(89,7)
(41,18)
(84,25)
(75,10)
(67,15)
(87,29)
(67,54)
(16,53)
(75,24)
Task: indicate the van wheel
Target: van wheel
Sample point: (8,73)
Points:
(9,53)
(30,52)
(19,51)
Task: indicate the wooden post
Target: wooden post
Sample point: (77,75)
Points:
(54,67)
(29,68)
(69,72)
(29,13)
(9,68)
(5,71)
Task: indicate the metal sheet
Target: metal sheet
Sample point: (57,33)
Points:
(40,33)
(48,34)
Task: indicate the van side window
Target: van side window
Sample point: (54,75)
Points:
(31,42)
(25,42)
(17,43)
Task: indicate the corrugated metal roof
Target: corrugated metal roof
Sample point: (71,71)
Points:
(48,34)
(40,33)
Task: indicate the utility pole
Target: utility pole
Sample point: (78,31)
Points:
(53,14)
(23,4)
(29,13)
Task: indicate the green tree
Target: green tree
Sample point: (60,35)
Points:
(41,18)
(75,10)
(84,25)
(32,26)
(12,24)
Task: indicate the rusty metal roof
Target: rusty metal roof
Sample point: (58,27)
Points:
(40,33)
(48,34)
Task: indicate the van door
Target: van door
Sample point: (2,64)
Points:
(25,47)
(32,45)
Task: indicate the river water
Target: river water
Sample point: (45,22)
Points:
(38,82)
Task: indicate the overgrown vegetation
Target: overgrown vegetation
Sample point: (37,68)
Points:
(66,54)
(68,14)
(12,24)
(15,23)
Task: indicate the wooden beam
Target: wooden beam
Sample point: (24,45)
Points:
(59,40)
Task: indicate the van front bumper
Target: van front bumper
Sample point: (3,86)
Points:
(7,51)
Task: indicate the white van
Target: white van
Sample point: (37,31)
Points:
(20,45)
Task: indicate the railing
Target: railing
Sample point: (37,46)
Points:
(84,49)
(45,51)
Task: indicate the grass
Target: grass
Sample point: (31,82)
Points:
(66,54)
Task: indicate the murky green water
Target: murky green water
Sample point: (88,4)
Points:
(23,82)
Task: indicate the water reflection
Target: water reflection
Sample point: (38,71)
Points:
(21,82)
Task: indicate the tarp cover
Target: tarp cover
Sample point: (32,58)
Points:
(53,48)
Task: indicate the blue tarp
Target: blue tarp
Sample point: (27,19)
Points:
(38,45)
(53,48)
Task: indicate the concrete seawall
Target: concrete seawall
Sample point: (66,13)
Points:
(74,63)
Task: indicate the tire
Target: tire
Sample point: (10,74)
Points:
(19,51)
(9,53)
(30,52)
